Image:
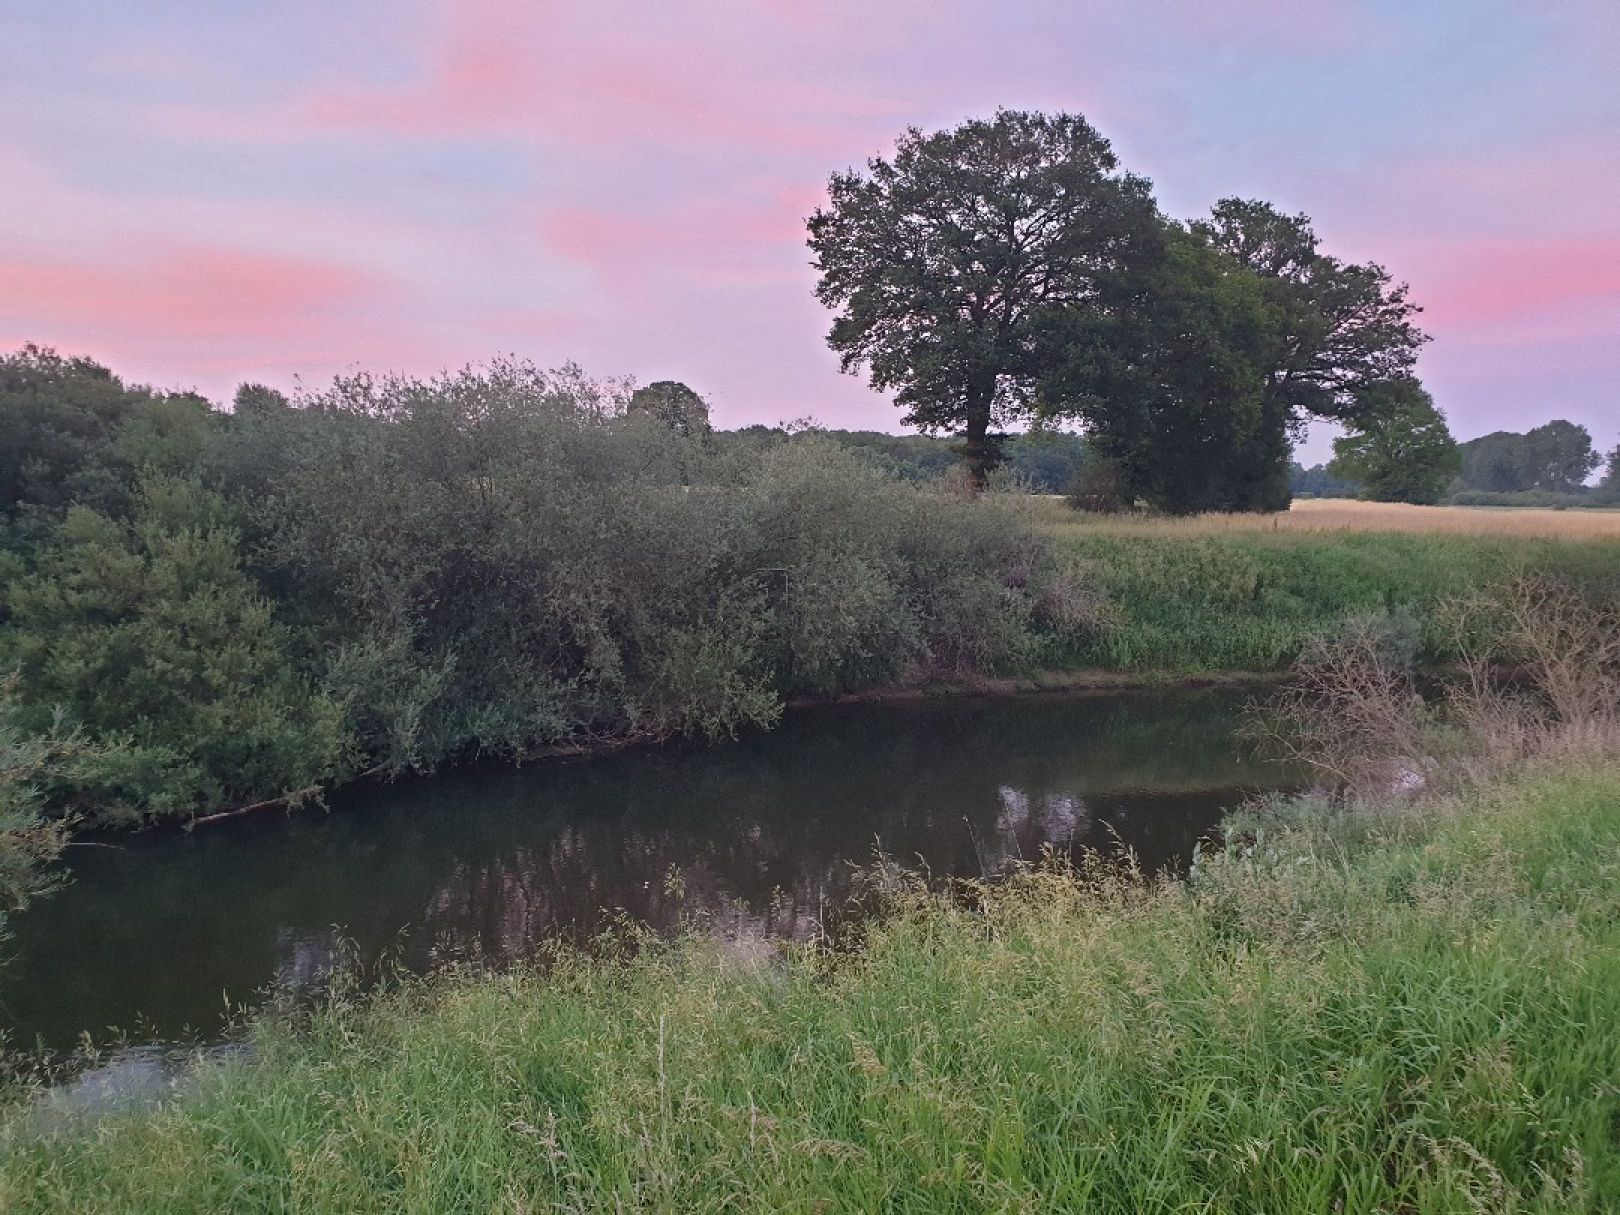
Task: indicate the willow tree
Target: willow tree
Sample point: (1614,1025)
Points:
(946,262)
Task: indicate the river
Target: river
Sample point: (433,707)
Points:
(157,934)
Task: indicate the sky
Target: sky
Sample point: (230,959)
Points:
(200,193)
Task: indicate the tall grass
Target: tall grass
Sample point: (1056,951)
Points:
(1189,596)
(1537,680)
(1417,1010)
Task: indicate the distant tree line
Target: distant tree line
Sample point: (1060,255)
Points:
(1550,461)
(1040,461)
(1549,465)
(1010,270)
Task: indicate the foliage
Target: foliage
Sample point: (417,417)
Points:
(673,404)
(1101,488)
(38,764)
(149,630)
(396,573)
(1047,461)
(1409,1007)
(1343,331)
(58,421)
(1170,381)
(1217,344)
(1403,451)
(1353,710)
(518,564)
(1531,498)
(29,839)
(1318,482)
(1212,595)
(1554,458)
(1608,489)
(1009,268)
(947,261)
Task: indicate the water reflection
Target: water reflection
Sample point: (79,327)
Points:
(757,838)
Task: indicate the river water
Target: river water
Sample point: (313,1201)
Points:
(157,934)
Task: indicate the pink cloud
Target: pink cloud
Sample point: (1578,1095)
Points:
(725,228)
(1467,283)
(688,80)
(193,291)
(1559,188)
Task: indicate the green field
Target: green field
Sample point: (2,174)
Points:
(1190,598)
(1410,1010)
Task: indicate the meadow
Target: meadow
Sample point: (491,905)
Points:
(1248,592)
(1337,1013)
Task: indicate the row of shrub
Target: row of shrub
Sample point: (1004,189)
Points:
(1534,497)
(396,573)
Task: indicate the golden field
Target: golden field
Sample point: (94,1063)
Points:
(1347,515)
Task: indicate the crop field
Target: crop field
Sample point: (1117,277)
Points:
(1348,515)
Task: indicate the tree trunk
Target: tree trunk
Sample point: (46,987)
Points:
(975,440)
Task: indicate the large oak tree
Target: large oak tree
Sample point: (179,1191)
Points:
(1226,338)
(947,262)
(1010,268)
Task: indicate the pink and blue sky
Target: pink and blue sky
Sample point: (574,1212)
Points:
(199,192)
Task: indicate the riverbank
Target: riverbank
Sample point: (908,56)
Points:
(1230,601)
(1404,1007)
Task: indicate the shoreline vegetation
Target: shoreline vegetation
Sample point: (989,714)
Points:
(1401,997)
(203,611)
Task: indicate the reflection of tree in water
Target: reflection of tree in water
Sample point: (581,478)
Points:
(306,959)
(760,841)
(1028,822)
(578,884)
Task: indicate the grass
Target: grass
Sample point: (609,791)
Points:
(1396,1010)
(1246,592)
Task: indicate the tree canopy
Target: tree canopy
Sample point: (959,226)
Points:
(1609,487)
(1340,333)
(1556,457)
(947,262)
(1010,268)
(673,404)
(228,606)
(1403,451)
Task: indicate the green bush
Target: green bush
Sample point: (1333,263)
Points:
(507,559)
(1528,497)
(394,573)
(149,633)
